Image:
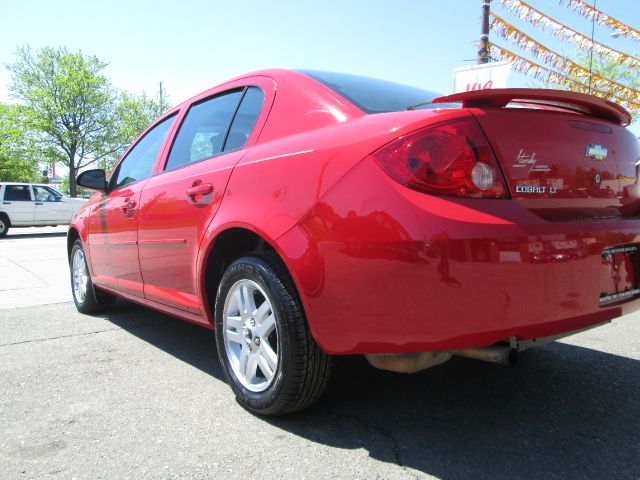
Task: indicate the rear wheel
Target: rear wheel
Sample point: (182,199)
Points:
(87,298)
(271,361)
(4,225)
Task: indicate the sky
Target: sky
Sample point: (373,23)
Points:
(191,45)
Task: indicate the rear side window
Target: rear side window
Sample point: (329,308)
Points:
(203,130)
(372,95)
(139,162)
(46,194)
(17,193)
(245,119)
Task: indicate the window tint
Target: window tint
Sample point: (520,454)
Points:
(203,130)
(138,164)
(17,193)
(245,119)
(45,194)
(372,95)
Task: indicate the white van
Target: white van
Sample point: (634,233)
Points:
(34,205)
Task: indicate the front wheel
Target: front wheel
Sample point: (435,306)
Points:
(269,357)
(86,297)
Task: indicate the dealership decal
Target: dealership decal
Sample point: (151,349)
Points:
(524,160)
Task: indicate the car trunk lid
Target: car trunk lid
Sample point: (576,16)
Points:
(564,155)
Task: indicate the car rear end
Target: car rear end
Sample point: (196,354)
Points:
(516,220)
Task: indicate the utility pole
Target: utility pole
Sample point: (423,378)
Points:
(160,94)
(483,51)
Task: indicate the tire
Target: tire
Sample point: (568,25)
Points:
(87,298)
(266,350)
(4,225)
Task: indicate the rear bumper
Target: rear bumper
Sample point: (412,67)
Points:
(383,269)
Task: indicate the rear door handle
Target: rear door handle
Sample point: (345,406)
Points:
(39,203)
(202,189)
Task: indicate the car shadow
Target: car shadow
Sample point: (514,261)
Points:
(185,341)
(562,412)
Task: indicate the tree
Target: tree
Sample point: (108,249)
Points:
(19,156)
(133,114)
(71,104)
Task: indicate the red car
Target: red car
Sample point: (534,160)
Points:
(306,214)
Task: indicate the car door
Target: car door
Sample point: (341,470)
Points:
(178,203)
(49,207)
(18,204)
(113,225)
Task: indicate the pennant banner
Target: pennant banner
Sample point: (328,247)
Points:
(559,62)
(540,72)
(601,18)
(526,12)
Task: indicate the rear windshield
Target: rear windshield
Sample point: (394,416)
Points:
(373,95)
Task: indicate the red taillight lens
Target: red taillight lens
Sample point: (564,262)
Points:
(449,159)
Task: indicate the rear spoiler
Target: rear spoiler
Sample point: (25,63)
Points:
(580,102)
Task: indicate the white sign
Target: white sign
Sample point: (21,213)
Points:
(481,77)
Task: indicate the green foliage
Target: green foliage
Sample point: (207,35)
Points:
(71,104)
(133,114)
(18,153)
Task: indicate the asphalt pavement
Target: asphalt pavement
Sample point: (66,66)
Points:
(137,394)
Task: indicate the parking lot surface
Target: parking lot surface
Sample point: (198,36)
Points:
(137,394)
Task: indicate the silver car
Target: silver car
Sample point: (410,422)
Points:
(34,205)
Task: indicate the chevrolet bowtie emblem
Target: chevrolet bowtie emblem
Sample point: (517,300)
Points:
(597,152)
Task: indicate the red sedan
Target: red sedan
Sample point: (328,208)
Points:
(306,214)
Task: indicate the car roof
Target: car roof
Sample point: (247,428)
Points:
(26,183)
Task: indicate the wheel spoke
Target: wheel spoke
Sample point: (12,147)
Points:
(262,312)
(248,305)
(266,327)
(236,301)
(252,367)
(234,321)
(268,360)
(235,337)
(243,360)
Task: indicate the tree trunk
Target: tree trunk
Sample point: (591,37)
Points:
(72,180)
(72,170)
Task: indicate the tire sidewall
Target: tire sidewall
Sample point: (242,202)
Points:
(257,270)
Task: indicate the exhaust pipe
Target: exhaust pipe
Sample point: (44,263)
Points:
(406,362)
(500,354)
(415,361)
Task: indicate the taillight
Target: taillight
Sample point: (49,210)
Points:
(448,159)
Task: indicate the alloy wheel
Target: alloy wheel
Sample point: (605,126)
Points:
(80,276)
(250,335)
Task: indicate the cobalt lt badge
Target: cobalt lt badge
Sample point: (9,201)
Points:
(597,152)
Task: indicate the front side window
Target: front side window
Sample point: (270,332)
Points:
(45,194)
(17,193)
(203,130)
(139,162)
